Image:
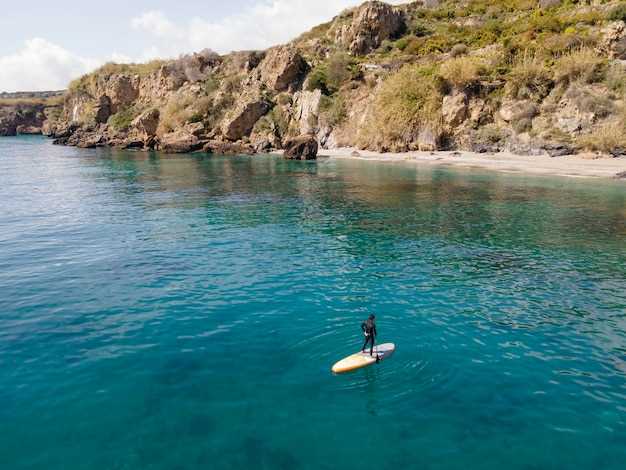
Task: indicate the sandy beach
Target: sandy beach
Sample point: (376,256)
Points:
(578,166)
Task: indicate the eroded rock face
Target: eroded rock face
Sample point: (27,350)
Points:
(283,69)
(147,123)
(427,140)
(103,109)
(304,147)
(122,90)
(243,119)
(372,23)
(307,108)
(21,119)
(454,109)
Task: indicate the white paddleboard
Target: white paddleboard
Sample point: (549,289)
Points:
(363,359)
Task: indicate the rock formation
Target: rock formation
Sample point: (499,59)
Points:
(425,75)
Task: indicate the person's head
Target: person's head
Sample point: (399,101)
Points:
(372,317)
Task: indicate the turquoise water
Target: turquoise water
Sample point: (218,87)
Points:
(183,313)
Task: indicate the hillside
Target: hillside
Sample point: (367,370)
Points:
(527,76)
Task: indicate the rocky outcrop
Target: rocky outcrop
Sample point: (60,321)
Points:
(122,91)
(454,109)
(283,69)
(307,110)
(243,119)
(304,147)
(370,25)
(22,119)
(419,92)
(180,141)
(146,124)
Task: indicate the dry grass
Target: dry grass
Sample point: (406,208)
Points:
(529,78)
(181,110)
(582,64)
(609,139)
(52,101)
(407,101)
(462,72)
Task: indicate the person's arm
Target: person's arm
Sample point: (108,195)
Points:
(363,327)
(375,332)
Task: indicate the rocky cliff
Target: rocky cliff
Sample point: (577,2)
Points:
(28,112)
(528,76)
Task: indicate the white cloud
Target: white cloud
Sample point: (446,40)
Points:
(41,65)
(267,23)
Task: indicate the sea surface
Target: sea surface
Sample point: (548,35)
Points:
(183,312)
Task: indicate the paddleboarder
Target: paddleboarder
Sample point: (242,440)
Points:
(369,330)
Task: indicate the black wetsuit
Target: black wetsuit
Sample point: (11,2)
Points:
(369,329)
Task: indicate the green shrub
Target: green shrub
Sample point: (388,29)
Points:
(318,79)
(333,109)
(122,120)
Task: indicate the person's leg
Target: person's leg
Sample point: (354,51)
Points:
(372,346)
(367,338)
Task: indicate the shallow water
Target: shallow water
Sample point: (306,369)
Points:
(183,312)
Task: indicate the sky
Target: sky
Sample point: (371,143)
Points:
(47,44)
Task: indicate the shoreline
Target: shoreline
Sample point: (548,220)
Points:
(572,166)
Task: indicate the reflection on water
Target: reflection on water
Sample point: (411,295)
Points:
(184,311)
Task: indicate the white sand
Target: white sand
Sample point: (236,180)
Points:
(571,165)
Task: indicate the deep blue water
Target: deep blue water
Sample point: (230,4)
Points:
(183,312)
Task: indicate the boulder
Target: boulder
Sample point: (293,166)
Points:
(454,109)
(283,69)
(372,23)
(179,141)
(304,147)
(242,120)
(146,123)
(228,148)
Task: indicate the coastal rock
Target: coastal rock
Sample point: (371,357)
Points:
(243,119)
(304,147)
(283,69)
(180,141)
(307,107)
(28,130)
(228,148)
(26,117)
(372,23)
(454,109)
(146,123)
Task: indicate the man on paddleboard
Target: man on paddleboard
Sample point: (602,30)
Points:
(369,330)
